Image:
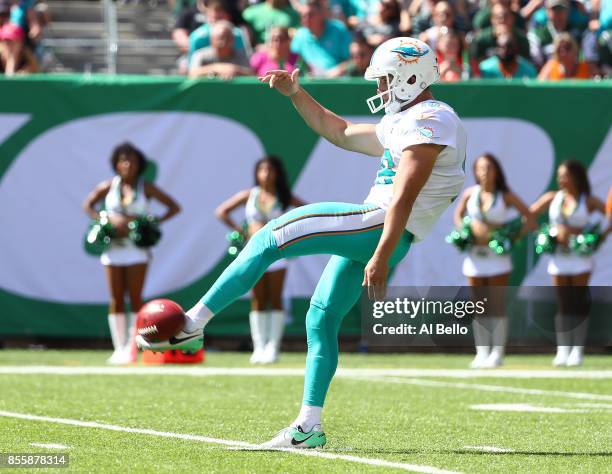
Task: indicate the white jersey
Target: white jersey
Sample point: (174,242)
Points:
(433,122)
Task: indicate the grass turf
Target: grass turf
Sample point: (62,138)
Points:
(367,418)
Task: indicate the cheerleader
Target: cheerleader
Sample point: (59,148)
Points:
(569,211)
(488,204)
(125,197)
(267,200)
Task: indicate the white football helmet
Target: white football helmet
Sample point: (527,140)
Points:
(398,60)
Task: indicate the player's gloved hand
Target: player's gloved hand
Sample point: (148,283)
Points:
(286,83)
(375,278)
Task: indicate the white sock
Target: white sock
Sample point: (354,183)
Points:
(308,418)
(497,352)
(130,332)
(563,352)
(197,317)
(258,330)
(482,352)
(276,325)
(116,324)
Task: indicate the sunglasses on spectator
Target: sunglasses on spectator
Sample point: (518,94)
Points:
(279,38)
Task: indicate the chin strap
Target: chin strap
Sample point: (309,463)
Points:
(395,106)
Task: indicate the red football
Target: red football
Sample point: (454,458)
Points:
(159,320)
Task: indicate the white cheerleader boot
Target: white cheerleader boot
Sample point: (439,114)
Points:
(257,320)
(116,324)
(275,335)
(562,356)
(495,359)
(482,354)
(576,356)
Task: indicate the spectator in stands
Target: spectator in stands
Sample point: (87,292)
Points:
(450,56)
(191,18)
(482,18)
(507,63)
(360,52)
(484,44)
(24,16)
(605,52)
(422,12)
(542,37)
(538,16)
(360,11)
(564,63)
(221,58)
(217,10)
(261,17)
(15,55)
(177,6)
(321,42)
(382,26)
(276,54)
(443,17)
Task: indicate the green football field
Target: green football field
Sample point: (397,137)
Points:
(384,413)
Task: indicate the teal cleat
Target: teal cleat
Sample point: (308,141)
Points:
(294,437)
(189,342)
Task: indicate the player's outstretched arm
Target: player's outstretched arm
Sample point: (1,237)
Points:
(354,137)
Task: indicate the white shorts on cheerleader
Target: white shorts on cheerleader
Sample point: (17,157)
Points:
(563,262)
(481,262)
(124,253)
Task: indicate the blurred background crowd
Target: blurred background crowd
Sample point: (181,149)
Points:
(492,39)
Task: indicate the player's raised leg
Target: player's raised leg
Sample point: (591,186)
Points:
(348,230)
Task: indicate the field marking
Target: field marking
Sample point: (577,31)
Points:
(226,442)
(50,445)
(491,388)
(605,406)
(287,372)
(524,408)
(489,449)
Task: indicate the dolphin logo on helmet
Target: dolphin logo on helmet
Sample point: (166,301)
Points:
(410,51)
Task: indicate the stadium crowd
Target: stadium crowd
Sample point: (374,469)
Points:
(547,39)
(22,26)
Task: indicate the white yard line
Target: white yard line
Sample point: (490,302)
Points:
(226,442)
(489,449)
(524,408)
(490,388)
(287,372)
(50,445)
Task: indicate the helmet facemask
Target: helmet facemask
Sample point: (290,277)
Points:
(384,98)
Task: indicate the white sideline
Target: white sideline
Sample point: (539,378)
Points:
(491,388)
(276,372)
(524,408)
(225,442)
